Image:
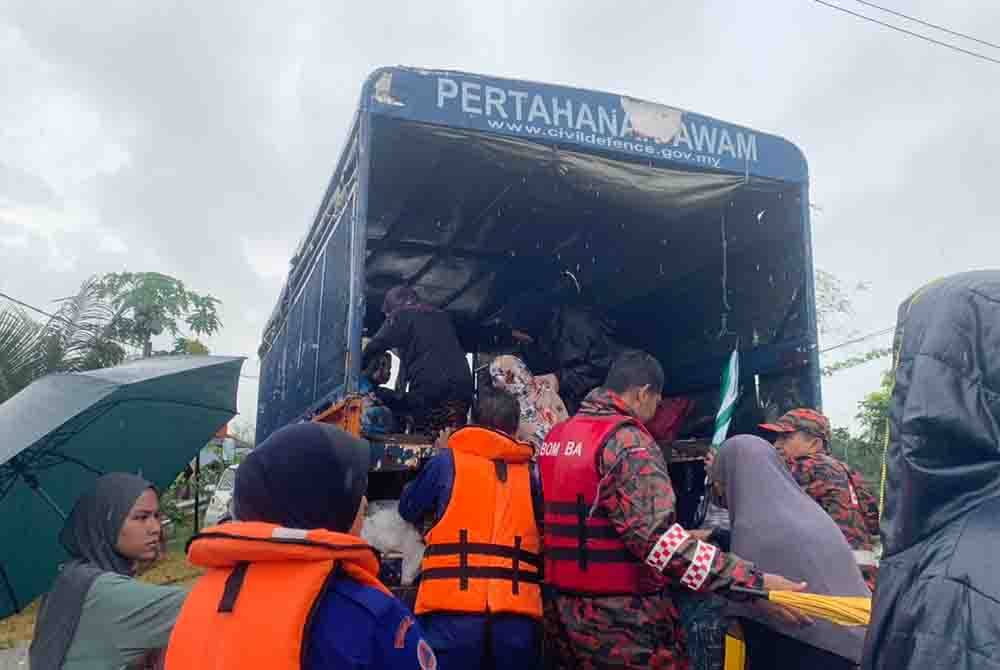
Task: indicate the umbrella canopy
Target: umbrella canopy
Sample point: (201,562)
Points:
(148,417)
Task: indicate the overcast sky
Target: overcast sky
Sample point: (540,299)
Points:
(196,138)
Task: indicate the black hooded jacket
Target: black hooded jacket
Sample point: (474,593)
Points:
(938,599)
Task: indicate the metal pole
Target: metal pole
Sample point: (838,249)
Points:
(8,587)
(33,484)
(197,492)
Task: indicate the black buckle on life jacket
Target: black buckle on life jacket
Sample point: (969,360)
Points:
(501,468)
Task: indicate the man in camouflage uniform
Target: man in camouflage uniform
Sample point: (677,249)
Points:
(635,495)
(803,438)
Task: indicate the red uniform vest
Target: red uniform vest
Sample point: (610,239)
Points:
(583,552)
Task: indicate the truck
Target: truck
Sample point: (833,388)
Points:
(690,234)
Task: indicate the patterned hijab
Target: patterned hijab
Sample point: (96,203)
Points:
(541,406)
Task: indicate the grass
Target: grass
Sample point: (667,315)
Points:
(172,569)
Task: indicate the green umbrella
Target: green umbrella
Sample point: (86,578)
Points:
(150,417)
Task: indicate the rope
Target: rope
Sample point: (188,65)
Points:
(724,328)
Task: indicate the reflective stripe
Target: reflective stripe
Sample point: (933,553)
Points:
(282,533)
(701,566)
(665,548)
(865,557)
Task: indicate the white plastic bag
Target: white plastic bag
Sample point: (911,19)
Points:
(385,530)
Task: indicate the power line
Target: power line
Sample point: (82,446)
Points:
(857,340)
(928,24)
(908,32)
(36,309)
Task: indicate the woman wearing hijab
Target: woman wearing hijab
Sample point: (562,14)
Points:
(781,529)
(97,616)
(290,584)
(433,362)
(538,397)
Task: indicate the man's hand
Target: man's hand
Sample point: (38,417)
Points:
(786,615)
(442,439)
(779,583)
(700,534)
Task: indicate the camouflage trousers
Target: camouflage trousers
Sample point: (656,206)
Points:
(619,632)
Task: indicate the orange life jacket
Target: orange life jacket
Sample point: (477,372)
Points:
(483,555)
(252,607)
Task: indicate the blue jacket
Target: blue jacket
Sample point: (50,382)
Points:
(357,627)
(461,639)
(430,492)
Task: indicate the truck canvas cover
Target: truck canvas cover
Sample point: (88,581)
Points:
(688,233)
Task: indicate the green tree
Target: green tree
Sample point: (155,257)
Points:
(834,306)
(190,346)
(149,304)
(78,336)
(833,302)
(864,450)
(96,327)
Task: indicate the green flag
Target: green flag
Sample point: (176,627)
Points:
(729,395)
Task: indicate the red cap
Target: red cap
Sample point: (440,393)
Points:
(802,419)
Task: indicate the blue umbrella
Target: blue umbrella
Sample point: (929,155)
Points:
(150,417)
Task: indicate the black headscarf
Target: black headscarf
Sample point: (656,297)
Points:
(308,475)
(90,536)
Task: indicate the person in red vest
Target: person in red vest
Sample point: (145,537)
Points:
(479,598)
(290,584)
(612,543)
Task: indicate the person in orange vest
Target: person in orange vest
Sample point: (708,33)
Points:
(290,584)
(613,547)
(479,598)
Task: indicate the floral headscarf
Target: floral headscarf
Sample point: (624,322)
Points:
(541,406)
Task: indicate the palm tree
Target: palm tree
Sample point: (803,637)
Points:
(78,336)
(19,337)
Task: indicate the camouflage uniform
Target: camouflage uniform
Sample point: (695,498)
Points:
(840,491)
(845,498)
(639,631)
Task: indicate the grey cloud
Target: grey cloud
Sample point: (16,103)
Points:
(232,115)
(22,187)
